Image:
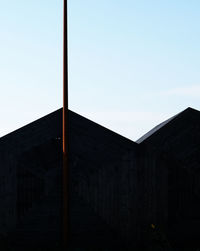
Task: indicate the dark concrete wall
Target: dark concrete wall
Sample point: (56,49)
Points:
(117,188)
(153,189)
(103,164)
(103,183)
(177,142)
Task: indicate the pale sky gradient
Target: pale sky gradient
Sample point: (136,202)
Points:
(132,64)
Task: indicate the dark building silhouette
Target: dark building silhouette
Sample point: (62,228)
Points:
(118,187)
(177,142)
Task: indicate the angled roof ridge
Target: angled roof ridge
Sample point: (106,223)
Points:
(30,123)
(107,129)
(164,123)
(72,112)
(190,108)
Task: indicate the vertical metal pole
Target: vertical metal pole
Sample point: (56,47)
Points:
(65,129)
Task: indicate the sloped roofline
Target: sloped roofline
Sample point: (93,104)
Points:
(163,124)
(31,123)
(60,111)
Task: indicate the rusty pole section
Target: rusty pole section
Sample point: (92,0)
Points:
(65,130)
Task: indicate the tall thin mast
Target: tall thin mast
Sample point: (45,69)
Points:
(65,128)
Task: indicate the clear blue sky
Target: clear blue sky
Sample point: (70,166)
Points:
(132,64)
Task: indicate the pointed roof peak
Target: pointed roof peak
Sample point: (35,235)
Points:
(166,122)
(190,109)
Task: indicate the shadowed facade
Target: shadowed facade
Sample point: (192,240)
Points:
(31,162)
(177,140)
(118,187)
